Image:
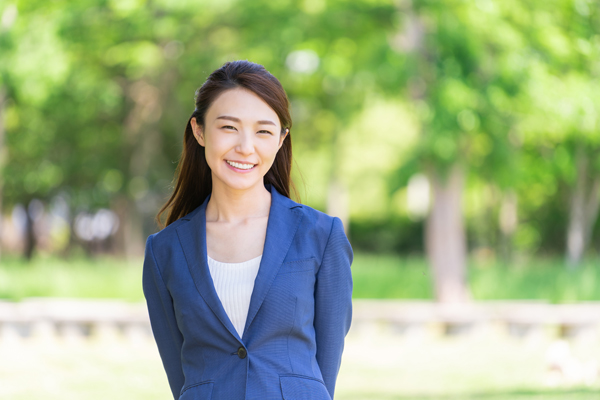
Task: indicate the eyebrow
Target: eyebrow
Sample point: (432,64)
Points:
(234,119)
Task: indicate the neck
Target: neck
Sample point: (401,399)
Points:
(233,205)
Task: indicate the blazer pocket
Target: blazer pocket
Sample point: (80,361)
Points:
(306,264)
(197,391)
(298,387)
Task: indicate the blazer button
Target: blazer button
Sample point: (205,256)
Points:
(242,353)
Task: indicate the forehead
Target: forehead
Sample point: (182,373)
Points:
(242,104)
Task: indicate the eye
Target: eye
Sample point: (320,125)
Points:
(228,127)
(265,131)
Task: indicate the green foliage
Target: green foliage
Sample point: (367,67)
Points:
(397,235)
(461,61)
(99,93)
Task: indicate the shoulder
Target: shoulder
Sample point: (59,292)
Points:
(326,235)
(169,233)
(313,221)
(317,221)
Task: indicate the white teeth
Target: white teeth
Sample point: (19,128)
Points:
(240,166)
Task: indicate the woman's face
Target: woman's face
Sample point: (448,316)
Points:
(241,136)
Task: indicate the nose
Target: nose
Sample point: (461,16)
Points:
(246,143)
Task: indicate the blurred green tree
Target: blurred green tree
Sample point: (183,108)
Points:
(563,102)
(504,96)
(464,67)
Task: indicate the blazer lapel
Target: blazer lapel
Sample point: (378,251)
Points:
(193,241)
(283,223)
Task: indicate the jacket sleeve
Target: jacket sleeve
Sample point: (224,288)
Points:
(162,319)
(333,303)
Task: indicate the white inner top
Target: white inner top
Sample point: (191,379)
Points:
(234,283)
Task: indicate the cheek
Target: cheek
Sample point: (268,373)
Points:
(216,146)
(269,148)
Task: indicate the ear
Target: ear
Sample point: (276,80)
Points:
(282,137)
(198,132)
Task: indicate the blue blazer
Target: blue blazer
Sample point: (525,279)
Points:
(300,309)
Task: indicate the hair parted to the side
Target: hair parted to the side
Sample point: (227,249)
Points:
(193,181)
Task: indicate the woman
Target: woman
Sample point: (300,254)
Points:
(249,292)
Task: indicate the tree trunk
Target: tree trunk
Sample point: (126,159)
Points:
(30,238)
(445,238)
(143,143)
(583,210)
(508,220)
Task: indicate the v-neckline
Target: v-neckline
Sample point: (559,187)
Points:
(283,222)
(237,263)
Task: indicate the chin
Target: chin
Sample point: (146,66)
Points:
(241,185)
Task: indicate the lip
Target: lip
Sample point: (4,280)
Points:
(239,171)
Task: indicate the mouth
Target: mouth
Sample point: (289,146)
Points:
(241,166)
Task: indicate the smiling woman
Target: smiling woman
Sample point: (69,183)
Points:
(244,84)
(249,293)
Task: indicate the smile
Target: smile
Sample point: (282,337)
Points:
(240,165)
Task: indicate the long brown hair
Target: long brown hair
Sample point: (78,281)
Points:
(193,175)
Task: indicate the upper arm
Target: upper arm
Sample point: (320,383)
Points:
(333,302)
(162,319)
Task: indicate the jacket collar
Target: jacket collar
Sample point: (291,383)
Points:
(284,220)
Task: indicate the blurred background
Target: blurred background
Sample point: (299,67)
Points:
(458,141)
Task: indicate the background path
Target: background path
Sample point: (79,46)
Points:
(376,365)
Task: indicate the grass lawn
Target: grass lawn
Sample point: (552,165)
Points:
(375,276)
(395,277)
(494,367)
(80,278)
